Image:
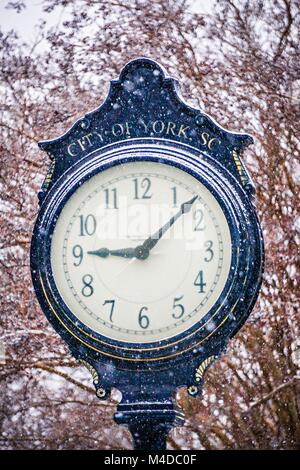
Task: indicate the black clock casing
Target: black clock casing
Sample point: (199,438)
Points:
(123,129)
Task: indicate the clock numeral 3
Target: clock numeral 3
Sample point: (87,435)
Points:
(87,289)
(209,251)
(88,225)
(199,282)
(143,319)
(139,186)
(198,218)
(179,308)
(112,302)
(111,198)
(78,254)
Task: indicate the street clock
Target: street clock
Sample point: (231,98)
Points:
(147,252)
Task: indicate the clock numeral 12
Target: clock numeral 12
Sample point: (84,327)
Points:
(111,198)
(112,302)
(140,185)
(199,282)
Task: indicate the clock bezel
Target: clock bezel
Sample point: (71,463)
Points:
(245,236)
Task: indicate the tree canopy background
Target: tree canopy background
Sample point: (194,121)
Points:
(240,63)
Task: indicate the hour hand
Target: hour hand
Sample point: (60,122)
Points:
(105,252)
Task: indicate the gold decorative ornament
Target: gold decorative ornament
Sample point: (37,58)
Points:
(91,369)
(239,165)
(49,175)
(202,368)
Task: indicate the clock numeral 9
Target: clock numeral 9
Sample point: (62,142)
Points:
(145,185)
(199,282)
(143,319)
(112,302)
(198,218)
(210,254)
(88,225)
(87,289)
(78,254)
(179,308)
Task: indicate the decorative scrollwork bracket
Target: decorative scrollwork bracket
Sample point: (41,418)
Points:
(101,392)
(195,388)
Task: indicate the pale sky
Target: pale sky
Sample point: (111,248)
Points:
(25,22)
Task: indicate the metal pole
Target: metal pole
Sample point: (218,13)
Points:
(149,423)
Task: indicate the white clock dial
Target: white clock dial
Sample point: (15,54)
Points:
(148,295)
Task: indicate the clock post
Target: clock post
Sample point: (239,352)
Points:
(149,423)
(147,310)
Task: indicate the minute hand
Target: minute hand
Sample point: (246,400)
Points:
(150,242)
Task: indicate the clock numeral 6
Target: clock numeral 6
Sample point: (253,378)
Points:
(78,254)
(88,225)
(198,218)
(87,289)
(199,282)
(179,308)
(112,302)
(143,319)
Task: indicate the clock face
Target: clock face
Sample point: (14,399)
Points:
(141,252)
